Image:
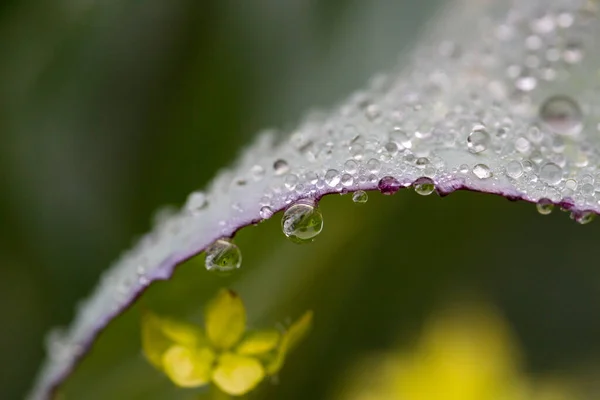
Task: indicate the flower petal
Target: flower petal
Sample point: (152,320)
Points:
(158,334)
(188,367)
(259,342)
(289,340)
(237,374)
(225,319)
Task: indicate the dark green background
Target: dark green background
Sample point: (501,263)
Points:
(110,109)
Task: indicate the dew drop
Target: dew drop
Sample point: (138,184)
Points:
(291,181)
(196,201)
(257,172)
(351,166)
(424,186)
(360,196)
(332,177)
(482,171)
(302,221)
(223,256)
(373,165)
(551,173)
(544,206)
(478,140)
(514,169)
(281,167)
(562,115)
(266,212)
(584,217)
(347,180)
(388,185)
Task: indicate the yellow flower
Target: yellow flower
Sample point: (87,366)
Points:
(463,354)
(225,353)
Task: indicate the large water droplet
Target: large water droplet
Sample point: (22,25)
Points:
(360,196)
(388,185)
(478,140)
(544,206)
(482,171)
(551,173)
(223,256)
(302,221)
(562,115)
(424,186)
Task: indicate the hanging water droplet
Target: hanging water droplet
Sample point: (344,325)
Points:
(514,169)
(424,186)
(332,177)
(281,167)
(478,140)
(223,256)
(544,206)
(266,212)
(388,185)
(482,171)
(562,115)
(302,221)
(360,196)
(196,201)
(551,173)
(584,217)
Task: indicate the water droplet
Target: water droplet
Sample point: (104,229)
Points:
(482,171)
(360,196)
(332,177)
(422,162)
(223,256)
(584,217)
(551,173)
(347,180)
(373,165)
(478,140)
(266,212)
(526,83)
(514,169)
(571,184)
(424,186)
(400,137)
(522,145)
(257,172)
(388,185)
(302,221)
(391,148)
(562,115)
(544,206)
(196,201)
(291,181)
(463,169)
(281,167)
(351,166)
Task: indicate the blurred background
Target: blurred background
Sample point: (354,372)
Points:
(109,110)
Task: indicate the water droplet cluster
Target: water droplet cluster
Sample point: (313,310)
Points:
(508,106)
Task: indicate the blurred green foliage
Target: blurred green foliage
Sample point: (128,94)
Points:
(111,109)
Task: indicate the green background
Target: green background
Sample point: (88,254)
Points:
(110,109)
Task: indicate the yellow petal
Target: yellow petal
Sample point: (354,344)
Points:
(225,319)
(158,334)
(289,340)
(236,374)
(259,342)
(188,367)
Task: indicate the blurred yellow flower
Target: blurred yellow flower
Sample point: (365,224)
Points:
(462,354)
(225,353)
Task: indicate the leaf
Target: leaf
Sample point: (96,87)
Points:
(225,319)
(507,106)
(236,374)
(296,332)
